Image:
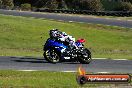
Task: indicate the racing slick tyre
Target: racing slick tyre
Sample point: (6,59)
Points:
(85,57)
(51,56)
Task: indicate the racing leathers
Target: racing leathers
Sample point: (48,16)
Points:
(63,37)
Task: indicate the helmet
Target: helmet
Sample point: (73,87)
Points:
(64,33)
(54,31)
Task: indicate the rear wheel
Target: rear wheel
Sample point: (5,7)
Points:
(85,57)
(51,56)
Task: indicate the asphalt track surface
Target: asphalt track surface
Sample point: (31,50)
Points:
(31,63)
(97,65)
(84,19)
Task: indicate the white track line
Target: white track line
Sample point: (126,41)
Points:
(38,70)
(103,72)
(68,71)
(119,59)
(99,58)
(60,20)
(70,21)
(62,71)
(129,20)
(109,59)
(28,70)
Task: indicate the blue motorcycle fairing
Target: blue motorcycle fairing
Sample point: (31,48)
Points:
(55,44)
(79,44)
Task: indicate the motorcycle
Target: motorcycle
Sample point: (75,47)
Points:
(56,51)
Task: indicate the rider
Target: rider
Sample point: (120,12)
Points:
(63,37)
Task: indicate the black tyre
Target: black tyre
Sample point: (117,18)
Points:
(85,58)
(51,56)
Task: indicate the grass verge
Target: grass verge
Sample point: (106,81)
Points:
(21,36)
(42,79)
(39,79)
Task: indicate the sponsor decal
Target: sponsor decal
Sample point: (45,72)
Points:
(83,78)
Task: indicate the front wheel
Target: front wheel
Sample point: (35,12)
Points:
(51,56)
(85,57)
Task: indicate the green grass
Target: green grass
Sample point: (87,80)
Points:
(42,79)
(21,36)
(39,79)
